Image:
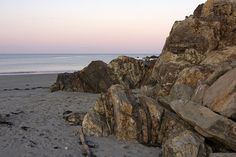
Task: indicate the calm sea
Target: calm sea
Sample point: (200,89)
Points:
(18,64)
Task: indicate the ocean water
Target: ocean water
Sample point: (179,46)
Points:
(22,64)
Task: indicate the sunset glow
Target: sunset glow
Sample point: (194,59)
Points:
(88,26)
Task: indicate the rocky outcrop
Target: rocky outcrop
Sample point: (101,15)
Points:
(137,117)
(130,72)
(120,113)
(187,104)
(98,76)
(205,39)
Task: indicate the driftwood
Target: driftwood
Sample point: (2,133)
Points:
(88,152)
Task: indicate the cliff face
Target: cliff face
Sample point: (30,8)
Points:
(189,103)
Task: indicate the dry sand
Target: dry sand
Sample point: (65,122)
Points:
(38,128)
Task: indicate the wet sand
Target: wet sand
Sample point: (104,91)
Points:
(38,128)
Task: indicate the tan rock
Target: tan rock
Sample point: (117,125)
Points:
(151,120)
(178,139)
(131,72)
(220,97)
(216,57)
(98,76)
(192,76)
(94,125)
(113,110)
(206,122)
(220,70)
(186,144)
(222,155)
(165,76)
(199,93)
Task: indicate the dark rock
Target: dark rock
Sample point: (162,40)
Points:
(97,77)
(67,112)
(4,122)
(25,128)
(17,112)
(74,118)
(56,147)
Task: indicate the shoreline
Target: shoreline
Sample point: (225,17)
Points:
(54,64)
(38,128)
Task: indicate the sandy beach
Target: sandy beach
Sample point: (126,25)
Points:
(38,128)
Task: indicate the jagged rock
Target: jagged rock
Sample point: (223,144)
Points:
(218,72)
(219,56)
(186,144)
(192,76)
(126,116)
(207,39)
(74,118)
(206,122)
(63,82)
(107,110)
(137,117)
(180,91)
(94,125)
(192,84)
(131,72)
(96,77)
(221,95)
(165,75)
(149,91)
(222,155)
(199,93)
(186,83)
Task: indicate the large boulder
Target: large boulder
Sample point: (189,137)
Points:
(131,73)
(221,95)
(206,122)
(96,77)
(205,39)
(137,117)
(125,116)
(185,144)
(222,155)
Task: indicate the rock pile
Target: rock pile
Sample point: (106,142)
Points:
(188,103)
(186,98)
(98,76)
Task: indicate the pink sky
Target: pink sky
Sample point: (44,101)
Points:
(99,26)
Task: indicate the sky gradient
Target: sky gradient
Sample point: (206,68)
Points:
(89,26)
